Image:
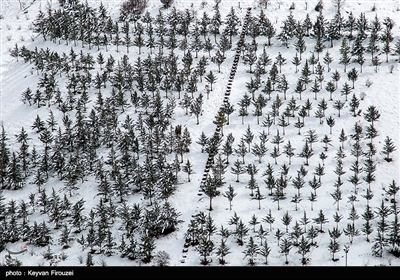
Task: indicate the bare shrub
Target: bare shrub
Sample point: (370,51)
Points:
(63,256)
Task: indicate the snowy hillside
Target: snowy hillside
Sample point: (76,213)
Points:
(241,133)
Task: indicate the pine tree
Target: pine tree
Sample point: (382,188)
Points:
(304,247)
(372,115)
(334,247)
(286,220)
(147,247)
(258,196)
(330,121)
(321,219)
(307,152)
(300,45)
(211,79)
(285,248)
(222,251)
(230,194)
(289,151)
(259,104)
(382,213)
(240,232)
(345,53)
(218,59)
(251,252)
(296,61)
(367,227)
(352,75)
(259,150)
(319,46)
(397,48)
(280,60)
(328,59)
(392,191)
(354,104)
(388,148)
(376,62)
(279,194)
(387,36)
(269,219)
(210,189)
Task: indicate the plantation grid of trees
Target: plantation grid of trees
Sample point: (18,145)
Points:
(120,126)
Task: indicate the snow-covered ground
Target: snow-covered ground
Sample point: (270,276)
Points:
(384,93)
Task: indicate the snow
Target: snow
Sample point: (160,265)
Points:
(383,93)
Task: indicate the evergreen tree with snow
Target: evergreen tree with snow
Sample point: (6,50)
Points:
(388,148)
(285,248)
(221,251)
(251,251)
(345,57)
(387,36)
(328,59)
(367,227)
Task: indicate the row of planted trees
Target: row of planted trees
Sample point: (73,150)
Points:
(260,238)
(378,219)
(92,135)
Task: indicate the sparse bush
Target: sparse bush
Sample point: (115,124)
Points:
(8,27)
(391,67)
(9,261)
(63,256)
(22,38)
(368,83)
(48,255)
(9,37)
(80,259)
(162,258)
(103,262)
